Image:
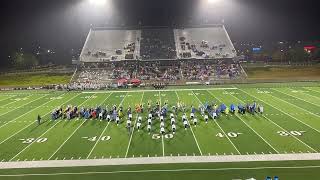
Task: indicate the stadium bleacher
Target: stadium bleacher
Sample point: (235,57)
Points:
(151,55)
(110,44)
(204,43)
(157,44)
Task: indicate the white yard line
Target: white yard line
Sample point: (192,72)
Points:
(162,170)
(281,111)
(290,134)
(34,141)
(252,128)
(102,131)
(32,122)
(163,152)
(297,97)
(71,134)
(286,131)
(224,133)
(293,104)
(14,101)
(6,99)
(163,90)
(307,93)
(309,88)
(191,128)
(23,105)
(40,135)
(163,160)
(133,130)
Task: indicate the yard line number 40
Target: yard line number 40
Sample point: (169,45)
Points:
(229,134)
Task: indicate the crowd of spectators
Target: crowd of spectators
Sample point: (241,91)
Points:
(156,71)
(228,70)
(196,71)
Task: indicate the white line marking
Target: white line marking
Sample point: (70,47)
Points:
(290,134)
(162,146)
(34,141)
(164,90)
(70,135)
(33,122)
(305,93)
(26,112)
(222,129)
(297,97)
(162,135)
(251,127)
(191,126)
(102,131)
(133,129)
(282,111)
(163,170)
(6,105)
(293,104)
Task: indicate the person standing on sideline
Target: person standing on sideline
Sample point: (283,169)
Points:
(39,120)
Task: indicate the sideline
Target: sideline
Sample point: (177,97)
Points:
(163,170)
(157,90)
(159,160)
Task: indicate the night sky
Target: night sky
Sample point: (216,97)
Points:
(63,25)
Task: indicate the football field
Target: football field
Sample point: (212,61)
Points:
(290,124)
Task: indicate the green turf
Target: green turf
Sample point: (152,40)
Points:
(283,73)
(290,109)
(37,79)
(293,170)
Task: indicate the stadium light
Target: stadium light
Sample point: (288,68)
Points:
(213,1)
(98,2)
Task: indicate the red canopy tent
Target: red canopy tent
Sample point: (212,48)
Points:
(135,81)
